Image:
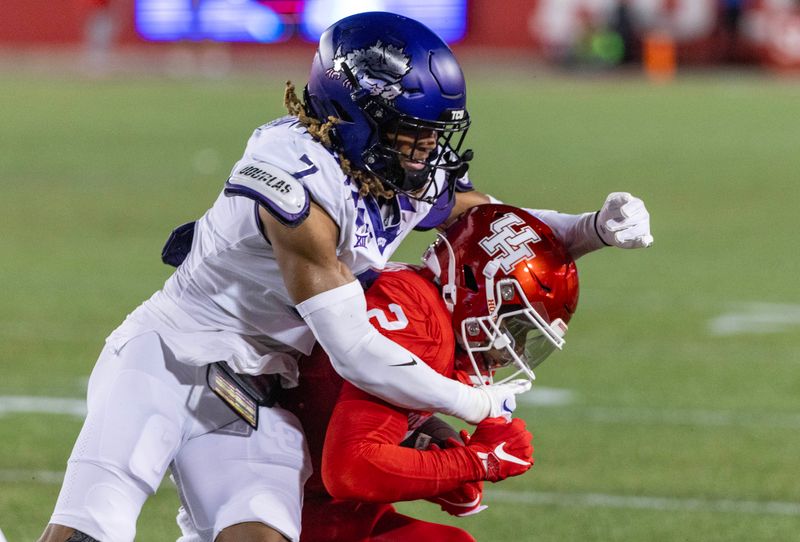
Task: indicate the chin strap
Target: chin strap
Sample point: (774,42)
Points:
(449,290)
(489,271)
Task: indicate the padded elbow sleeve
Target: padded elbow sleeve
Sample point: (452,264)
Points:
(380,367)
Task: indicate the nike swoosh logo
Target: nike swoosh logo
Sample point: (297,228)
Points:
(407,364)
(502,455)
(505,407)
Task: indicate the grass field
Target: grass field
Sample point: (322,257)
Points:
(682,368)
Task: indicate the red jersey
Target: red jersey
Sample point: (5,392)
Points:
(354,437)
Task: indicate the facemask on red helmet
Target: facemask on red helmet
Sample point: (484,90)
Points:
(511,286)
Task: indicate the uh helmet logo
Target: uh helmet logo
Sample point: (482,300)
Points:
(379,68)
(507,245)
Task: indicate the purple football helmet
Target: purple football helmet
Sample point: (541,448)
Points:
(385,76)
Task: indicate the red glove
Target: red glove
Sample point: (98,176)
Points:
(503,448)
(462,501)
(466,499)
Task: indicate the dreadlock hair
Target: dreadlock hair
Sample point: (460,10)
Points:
(321,131)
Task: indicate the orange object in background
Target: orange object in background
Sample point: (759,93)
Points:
(659,56)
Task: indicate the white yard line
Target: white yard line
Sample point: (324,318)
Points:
(756,318)
(48,477)
(565,500)
(686,417)
(603,500)
(554,397)
(45,477)
(544,396)
(43,405)
(540,397)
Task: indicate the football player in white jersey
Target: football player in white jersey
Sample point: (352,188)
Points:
(316,206)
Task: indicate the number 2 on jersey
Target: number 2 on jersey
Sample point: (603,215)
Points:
(400,321)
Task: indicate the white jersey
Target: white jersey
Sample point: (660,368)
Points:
(227,300)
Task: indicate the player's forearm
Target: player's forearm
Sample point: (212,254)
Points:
(390,473)
(373,363)
(577,232)
(362,458)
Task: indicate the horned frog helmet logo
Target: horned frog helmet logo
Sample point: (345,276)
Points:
(379,68)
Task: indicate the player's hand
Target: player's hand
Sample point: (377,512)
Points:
(502,398)
(503,448)
(624,222)
(462,501)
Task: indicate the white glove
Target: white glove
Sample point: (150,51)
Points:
(624,222)
(503,397)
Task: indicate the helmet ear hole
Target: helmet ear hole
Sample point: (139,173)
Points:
(341,112)
(469,278)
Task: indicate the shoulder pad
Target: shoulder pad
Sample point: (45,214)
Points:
(276,190)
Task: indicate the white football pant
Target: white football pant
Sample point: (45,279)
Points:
(147,412)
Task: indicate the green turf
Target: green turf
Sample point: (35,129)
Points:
(95,174)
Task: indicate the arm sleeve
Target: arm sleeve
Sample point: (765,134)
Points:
(363,461)
(577,232)
(373,363)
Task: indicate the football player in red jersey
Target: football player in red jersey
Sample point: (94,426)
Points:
(497,291)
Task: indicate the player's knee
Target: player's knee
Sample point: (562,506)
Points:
(153,450)
(101,499)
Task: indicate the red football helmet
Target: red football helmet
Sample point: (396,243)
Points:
(510,284)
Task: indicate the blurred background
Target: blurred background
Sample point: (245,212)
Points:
(580,34)
(674,411)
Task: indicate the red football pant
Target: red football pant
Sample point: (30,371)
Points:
(346,521)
